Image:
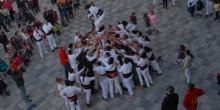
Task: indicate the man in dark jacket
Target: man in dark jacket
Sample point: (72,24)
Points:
(3,40)
(49,16)
(170,102)
(18,78)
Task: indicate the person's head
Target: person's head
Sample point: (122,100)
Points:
(46,9)
(170,89)
(87,7)
(107,54)
(126,60)
(145,15)
(23,30)
(109,27)
(71,70)
(59,80)
(181,47)
(124,23)
(111,60)
(133,14)
(139,33)
(70,45)
(78,33)
(99,63)
(67,83)
(70,52)
(144,55)
(152,12)
(145,38)
(46,22)
(91,4)
(36,28)
(118,23)
(191,86)
(62,47)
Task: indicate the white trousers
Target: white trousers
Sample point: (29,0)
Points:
(156,66)
(51,41)
(138,70)
(154,2)
(88,95)
(209,7)
(187,73)
(114,81)
(122,79)
(98,22)
(129,85)
(66,101)
(42,48)
(173,1)
(147,77)
(72,105)
(96,85)
(78,78)
(104,86)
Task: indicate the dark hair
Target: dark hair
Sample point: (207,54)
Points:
(126,60)
(70,52)
(170,89)
(108,54)
(70,45)
(58,80)
(117,35)
(71,70)
(67,83)
(120,60)
(87,6)
(147,49)
(144,55)
(99,63)
(189,53)
(140,33)
(182,47)
(146,38)
(111,60)
(191,86)
(124,23)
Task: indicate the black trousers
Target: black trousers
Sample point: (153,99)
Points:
(165,4)
(11,14)
(54,2)
(3,25)
(66,67)
(217,15)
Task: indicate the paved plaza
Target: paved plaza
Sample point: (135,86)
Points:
(199,34)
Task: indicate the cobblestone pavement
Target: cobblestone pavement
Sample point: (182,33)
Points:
(199,34)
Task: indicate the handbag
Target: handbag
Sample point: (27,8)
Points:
(216,7)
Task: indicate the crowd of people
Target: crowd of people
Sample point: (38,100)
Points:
(115,58)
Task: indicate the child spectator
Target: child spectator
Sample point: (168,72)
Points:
(199,6)
(181,54)
(133,17)
(56,29)
(153,20)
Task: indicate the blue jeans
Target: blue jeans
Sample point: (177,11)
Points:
(23,93)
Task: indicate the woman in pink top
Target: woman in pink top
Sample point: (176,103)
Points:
(153,20)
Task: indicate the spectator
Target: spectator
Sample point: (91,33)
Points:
(3,88)
(3,40)
(8,5)
(190,101)
(3,67)
(64,60)
(170,102)
(218,81)
(2,22)
(49,16)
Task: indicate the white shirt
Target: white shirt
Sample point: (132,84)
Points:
(91,58)
(99,69)
(76,39)
(47,27)
(125,68)
(61,87)
(86,80)
(72,76)
(131,27)
(142,62)
(134,58)
(122,31)
(37,35)
(93,11)
(72,58)
(24,36)
(70,91)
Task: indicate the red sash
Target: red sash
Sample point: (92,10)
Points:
(100,12)
(111,74)
(127,75)
(86,86)
(152,58)
(73,98)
